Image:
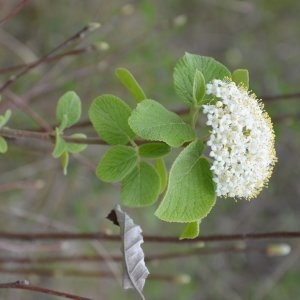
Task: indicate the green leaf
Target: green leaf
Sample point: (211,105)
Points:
(198,87)
(68,110)
(116,163)
(191,230)
(109,116)
(73,147)
(154,150)
(191,191)
(4,118)
(161,169)
(64,158)
(241,76)
(186,68)
(60,144)
(151,121)
(131,84)
(3,145)
(141,187)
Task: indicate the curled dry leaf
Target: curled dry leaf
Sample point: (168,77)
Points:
(135,271)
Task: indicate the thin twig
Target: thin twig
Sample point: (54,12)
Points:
(29,67)
(228,237)
(74,273)
(48,272)
(18,133)
(118,258)
(24,285)
(52,58)
(47,136)
(50,137)
(17,101)
(149,238)
(40,121)
(14,11)
(24,184)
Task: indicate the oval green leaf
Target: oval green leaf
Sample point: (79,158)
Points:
(5,118)
(151,121)
(60,144)
(109,116)
(154,150)
(185,69)
(68,110)
(141,187)
(191,230)
(130,83)
(191,191)
(116,163)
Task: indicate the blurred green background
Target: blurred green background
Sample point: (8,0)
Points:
(147,37)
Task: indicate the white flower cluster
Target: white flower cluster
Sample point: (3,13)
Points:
(241,140)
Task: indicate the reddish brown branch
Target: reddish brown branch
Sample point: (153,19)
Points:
(25,184)
(40,121)
(118,258)
(17,101)
(49,136)
(44,272)
(52,58)
(29,67)
(46,136)
(228,237)
(148,238)
(14,11)
(24,285)
(18,133)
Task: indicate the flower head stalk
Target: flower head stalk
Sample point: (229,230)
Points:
(241,140)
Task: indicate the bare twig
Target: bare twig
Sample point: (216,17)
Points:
(52,58)
(14,11)
(25,184)
(17,101)
(118,258)
(150,238)
(72,273)
(47,272)
(47,136)
(17,133)
(50,137)
(29,67)
(24,285)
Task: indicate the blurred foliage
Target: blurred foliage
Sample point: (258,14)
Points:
(147,37)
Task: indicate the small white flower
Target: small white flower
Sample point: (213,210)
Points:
(241,140)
